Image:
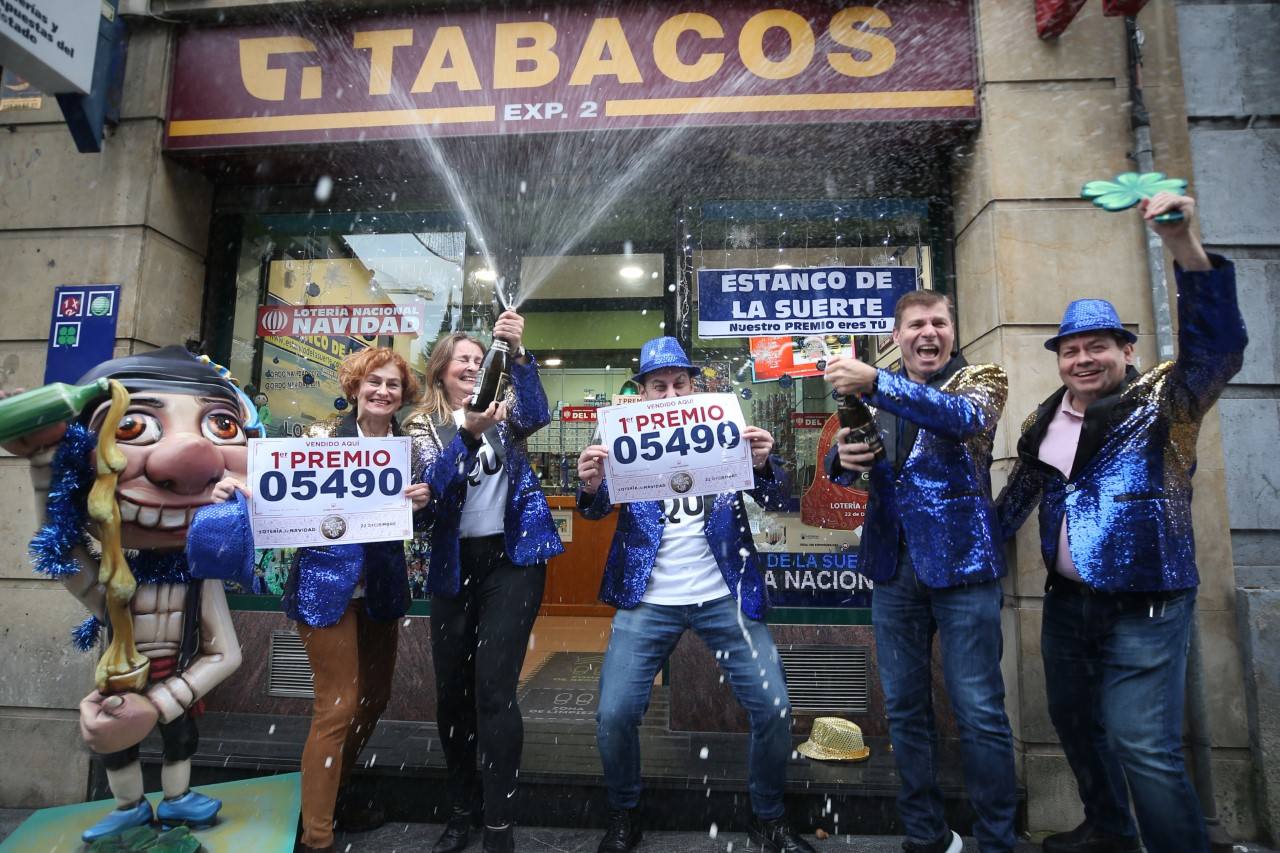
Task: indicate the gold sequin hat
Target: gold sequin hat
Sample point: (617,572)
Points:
(835,739)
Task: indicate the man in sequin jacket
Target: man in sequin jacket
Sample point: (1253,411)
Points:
(1109,457)
(930,544)
(688,564)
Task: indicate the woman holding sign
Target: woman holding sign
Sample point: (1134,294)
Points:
(688,563)
(492,536)
(348,601)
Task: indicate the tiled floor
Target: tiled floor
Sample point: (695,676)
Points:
(564,634)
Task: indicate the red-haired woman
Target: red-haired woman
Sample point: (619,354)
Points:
(348,601)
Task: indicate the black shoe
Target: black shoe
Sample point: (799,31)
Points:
(777,836)
(499,840)
(355,813)
(623,834)
(457,832)
(1086,839)
(949,843)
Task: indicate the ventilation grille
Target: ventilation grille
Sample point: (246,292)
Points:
(290,673)
(827,679)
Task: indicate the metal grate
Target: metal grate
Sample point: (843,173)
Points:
(827,679)
(290,671)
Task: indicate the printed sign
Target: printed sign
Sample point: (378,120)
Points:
(302,321)
(82,330)
(816,580)
(776,357)
(578,414)
(827,504)
(815,300)
(329,491)
(52,42)
(675,447)
(506,69)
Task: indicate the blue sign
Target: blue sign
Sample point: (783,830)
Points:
(805,579)
(82,331)
(813,300)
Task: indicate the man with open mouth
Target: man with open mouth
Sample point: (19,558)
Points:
(930,544)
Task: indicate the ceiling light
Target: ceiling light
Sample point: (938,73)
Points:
(554,362)
(486,274)
(631,272)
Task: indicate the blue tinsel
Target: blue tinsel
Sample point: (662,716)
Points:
(71,477)
(85,635)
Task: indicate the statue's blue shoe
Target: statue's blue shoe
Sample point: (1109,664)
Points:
(191,809)
(118,821)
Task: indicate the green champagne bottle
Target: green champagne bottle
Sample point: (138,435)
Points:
(58,401)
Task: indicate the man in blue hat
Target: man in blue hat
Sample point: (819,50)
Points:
(1109,458)
(688,564)
(931,544)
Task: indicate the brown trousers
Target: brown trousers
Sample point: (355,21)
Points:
(352,662)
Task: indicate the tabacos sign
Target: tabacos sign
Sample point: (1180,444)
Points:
(497,71)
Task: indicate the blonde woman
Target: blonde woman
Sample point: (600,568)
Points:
(492,536)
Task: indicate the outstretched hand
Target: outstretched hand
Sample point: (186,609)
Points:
(1178,236)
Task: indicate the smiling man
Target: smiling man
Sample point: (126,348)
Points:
(1109,458)
(929,542)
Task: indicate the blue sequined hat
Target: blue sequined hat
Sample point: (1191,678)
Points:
(1089,315)
(661,353)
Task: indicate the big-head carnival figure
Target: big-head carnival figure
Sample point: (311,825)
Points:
(123,483)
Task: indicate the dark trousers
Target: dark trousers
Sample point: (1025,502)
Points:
(1116,672)
(478,641)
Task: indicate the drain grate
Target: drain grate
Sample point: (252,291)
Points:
(827,679)
(290,671)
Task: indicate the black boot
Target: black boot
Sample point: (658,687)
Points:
(457,832)
(623,833)
(499,840)
(1086,839)
(777,836)
(354,812)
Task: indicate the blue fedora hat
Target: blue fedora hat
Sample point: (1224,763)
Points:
(661,353)
(1089,315)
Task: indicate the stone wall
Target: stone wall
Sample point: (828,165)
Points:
(126,216)
(1231,72)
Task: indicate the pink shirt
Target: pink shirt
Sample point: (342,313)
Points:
(1059,450)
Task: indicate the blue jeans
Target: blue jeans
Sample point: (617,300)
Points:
(1115,671)
(642,640)
(906,614)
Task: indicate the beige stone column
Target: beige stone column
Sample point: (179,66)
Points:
(1054,115)
(126,216)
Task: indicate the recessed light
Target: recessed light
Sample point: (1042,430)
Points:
(486,274)
(554,362)
(631,272)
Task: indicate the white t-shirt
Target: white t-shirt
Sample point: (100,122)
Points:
(484,510)
(684,569)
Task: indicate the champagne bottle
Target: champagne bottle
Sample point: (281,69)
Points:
(39,407)
(492,377)
(855,415)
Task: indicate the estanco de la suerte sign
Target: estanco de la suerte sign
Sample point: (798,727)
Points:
(637,65)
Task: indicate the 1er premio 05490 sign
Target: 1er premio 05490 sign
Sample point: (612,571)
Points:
(326,491)
(675,447)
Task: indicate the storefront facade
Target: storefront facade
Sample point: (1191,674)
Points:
(401,164)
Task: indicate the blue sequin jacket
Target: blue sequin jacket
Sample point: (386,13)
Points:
(445,454)
(1128,499)
(938,499)
(635,542)
(323,578)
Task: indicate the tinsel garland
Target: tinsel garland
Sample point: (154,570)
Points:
(71,477)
